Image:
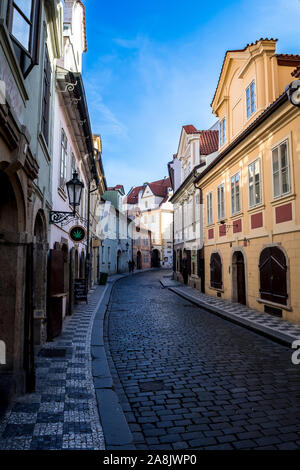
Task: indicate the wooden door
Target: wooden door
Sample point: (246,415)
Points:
(241,284)
(56,291)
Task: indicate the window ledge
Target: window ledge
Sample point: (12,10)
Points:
(258,207)
(216,289)
(274,304)
(280,199)
(237,215)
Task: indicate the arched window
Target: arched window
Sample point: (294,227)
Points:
(216,271)
(273,269)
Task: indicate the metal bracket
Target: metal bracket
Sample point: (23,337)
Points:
(69,87)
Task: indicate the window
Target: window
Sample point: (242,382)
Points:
(46,96)
(222,132)
(63,158)
(146,204)
(23,21)
(221,202)
(209,209)
(235,194)
(250,99)
(254,183)
(216,271)
(281,172)
(273,271)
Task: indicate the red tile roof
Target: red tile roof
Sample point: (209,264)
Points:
(190,129)
(209,142)
(296,72)
(116,188)
(239,50)
(132,197)
(289,60)
(159,188)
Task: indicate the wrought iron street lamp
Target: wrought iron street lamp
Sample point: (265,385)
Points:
(74,190)
(293,92)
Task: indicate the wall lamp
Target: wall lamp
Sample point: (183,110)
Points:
(74,190)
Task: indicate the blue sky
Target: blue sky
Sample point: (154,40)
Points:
(152,66)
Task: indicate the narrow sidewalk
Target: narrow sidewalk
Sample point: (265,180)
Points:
(73,407)
(62,413)
(272,327)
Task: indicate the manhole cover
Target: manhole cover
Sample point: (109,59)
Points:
(154,386)
(53,352)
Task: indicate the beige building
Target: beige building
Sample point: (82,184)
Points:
(251,190)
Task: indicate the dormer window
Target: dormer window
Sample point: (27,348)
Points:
(250,99)
(23,19)
(222,131)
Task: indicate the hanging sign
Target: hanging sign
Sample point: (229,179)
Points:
(77,233)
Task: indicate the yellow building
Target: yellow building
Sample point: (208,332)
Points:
(251,190)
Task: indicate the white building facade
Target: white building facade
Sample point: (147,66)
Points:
(196,150)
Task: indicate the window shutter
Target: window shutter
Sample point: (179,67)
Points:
(273,269)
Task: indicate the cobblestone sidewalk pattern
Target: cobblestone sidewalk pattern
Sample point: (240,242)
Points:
(276,328)
(62,413)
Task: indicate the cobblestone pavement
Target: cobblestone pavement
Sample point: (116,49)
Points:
(63,413)
(275,327)
(192,380)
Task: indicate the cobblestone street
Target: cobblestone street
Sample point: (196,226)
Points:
(189,379)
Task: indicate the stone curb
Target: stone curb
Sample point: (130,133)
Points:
(116,431)
(265,331)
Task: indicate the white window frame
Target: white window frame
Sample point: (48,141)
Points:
(233,194)
(63,158)
(251,101)
(222,131)
(209,208)
(221,204)
(252,188)
(280,169)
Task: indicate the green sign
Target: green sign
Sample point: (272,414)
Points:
(77,234)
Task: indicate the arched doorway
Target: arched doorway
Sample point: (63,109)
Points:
(155,259)
(216,275)
(139,260)
(16,323)
(238,278)
(273,275)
